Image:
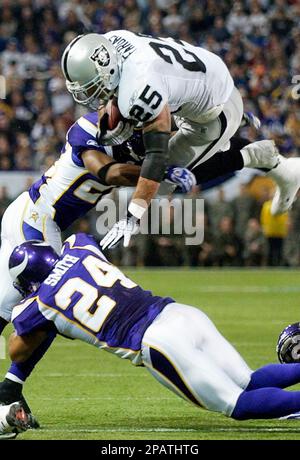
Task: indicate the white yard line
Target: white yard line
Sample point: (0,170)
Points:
(254,289)
(106,398)
(169,430)
(92,374)
(117,430)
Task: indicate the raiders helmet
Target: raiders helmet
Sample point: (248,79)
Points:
(91,66)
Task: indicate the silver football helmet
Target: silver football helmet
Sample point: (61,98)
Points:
(92,67)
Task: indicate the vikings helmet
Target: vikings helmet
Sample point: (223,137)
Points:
(288,345)
(30,263)
(91,66)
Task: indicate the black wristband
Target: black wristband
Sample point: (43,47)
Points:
(156,159)
(103,171)
(129,215)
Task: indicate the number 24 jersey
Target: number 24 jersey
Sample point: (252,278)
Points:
(88,298)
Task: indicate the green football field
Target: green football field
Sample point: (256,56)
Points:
(78,392)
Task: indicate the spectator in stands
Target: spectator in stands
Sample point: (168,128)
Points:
(5,200)
(259,41)
(254,244)
(291,245)
(206,253)
(218,209)
(244,206)
(275,229)
(227,244)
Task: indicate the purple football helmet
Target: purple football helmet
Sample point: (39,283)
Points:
(30,263)
(288,345)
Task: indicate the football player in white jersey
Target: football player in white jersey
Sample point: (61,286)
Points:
(152,79)
(84,173)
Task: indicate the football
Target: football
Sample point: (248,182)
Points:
(114,114)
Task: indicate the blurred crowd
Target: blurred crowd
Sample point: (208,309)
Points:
(258,39)
(236,233)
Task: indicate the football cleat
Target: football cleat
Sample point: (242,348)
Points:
(295,416)
(287,177)
(32,420)
(288,344)
(13,420)
(11,435)
(260,154)
(10,393)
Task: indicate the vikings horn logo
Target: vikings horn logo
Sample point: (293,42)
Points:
(100,56)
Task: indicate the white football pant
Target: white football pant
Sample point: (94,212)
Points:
(196,142)
(21,221)
(185,352)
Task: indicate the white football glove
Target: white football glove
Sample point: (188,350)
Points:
(123,229)
(118,135)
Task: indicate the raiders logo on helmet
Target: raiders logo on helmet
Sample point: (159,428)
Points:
(101,56)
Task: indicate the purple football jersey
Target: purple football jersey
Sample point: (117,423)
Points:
(67,190)
(90,299)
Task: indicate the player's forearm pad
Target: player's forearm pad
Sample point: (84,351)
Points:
(156,159)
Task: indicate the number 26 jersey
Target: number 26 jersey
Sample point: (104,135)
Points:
(160,71)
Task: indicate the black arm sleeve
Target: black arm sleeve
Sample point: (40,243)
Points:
(156,159)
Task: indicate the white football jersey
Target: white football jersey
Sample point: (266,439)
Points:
(160,71)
